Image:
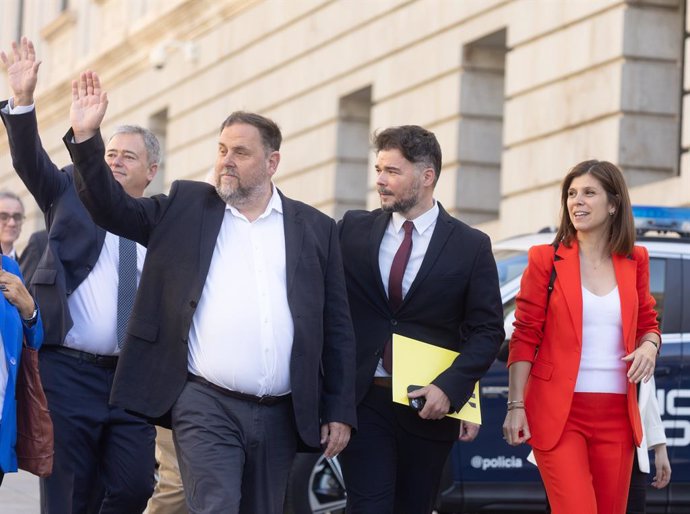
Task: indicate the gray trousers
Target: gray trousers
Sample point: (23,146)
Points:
(235,455)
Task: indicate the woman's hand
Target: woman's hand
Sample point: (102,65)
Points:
(643,362)
(15,292)
(662,467)
(515,427)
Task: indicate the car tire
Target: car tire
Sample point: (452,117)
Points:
(315,486)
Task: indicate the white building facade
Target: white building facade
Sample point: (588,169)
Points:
(517,91)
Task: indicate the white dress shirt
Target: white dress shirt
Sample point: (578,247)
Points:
(424,225)
(242,331)
(93,305)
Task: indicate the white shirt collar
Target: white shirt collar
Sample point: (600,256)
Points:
(421,222)
(274,204)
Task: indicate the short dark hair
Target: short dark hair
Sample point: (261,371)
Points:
(621,226)
(269,129)
(416,144)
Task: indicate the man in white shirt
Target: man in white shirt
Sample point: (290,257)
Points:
(241,335)
(103,456)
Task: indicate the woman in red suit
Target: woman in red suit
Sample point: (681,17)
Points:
(576,354)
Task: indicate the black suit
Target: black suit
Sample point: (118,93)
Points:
(32,254)
(454,302)
(180,232)
(85,425)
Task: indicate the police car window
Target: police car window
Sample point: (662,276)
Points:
(510,264)
(657,283)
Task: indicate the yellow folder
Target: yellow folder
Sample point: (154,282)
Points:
(418,363)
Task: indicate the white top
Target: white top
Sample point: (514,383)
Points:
(601,367)
(653,432)
(392,238)
(242,331)
(93,305)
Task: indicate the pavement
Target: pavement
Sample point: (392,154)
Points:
(19,494)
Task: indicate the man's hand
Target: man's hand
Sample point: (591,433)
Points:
(88,106)
(437,403)
(334,436)
(468,431)
(22,71)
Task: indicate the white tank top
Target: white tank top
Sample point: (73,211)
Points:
(601,367)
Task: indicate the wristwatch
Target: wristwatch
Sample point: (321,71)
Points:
(30,322)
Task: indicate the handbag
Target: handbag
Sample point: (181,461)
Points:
(34,427)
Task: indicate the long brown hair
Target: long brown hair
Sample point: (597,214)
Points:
(621,236)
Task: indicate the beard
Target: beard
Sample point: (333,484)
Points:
(237,194)
(404,203)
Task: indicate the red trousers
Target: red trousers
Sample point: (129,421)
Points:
(588,471)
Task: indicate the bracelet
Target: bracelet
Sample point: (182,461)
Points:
(511,402)
(513,407)
(656,345)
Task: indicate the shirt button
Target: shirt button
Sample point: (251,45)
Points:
(394,322)
(13,361)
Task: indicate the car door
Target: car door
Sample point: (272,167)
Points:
(666,285)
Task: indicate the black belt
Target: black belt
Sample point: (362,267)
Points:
(384,382)
(103,361)
(261,400)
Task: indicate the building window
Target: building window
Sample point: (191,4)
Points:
(353,148)
(158,124)
(478,187)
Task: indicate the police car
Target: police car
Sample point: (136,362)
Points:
(488,475)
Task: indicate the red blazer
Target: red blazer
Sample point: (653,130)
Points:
(554,348)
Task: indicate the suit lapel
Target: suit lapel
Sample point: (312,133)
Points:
(293,225)
(376,233)
(568,277)
(211,221)
(626,276)
(439,238)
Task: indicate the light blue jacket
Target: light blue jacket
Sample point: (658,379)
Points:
(13,331)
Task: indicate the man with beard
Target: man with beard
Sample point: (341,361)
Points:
(413,270)
(240,334)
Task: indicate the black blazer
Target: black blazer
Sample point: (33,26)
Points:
(180,232)
(454,302)
(74,240)
(31,256)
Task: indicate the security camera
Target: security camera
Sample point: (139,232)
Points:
(158,57)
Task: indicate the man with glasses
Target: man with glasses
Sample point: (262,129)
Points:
(104,456)
(11,219)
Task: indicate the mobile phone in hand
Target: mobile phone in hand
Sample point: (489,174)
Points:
(416,403)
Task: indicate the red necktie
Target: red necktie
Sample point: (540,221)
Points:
(395,280)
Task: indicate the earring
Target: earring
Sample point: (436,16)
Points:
(611,213)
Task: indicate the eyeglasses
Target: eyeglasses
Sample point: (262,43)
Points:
(18,217)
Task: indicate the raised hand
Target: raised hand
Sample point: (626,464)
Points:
(22,71)
(89,104)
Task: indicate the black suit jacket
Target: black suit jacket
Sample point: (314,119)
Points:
(31,256)
(180,232)
(454,302)
(74,240)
